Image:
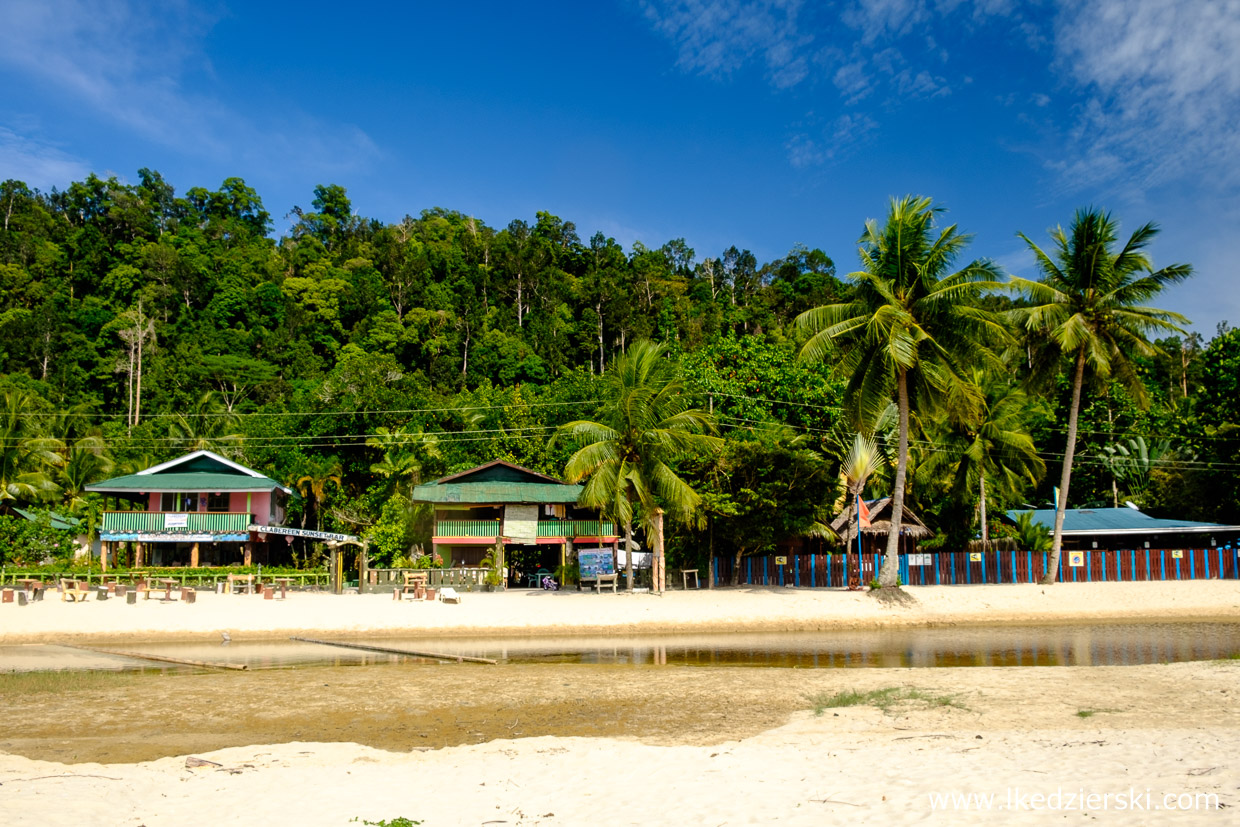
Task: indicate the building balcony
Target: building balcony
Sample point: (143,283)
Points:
(153,522)
(549,529)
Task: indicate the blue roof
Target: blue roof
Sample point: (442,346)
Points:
(1116,521)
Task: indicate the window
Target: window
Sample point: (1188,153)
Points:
(217,502)
(178,501)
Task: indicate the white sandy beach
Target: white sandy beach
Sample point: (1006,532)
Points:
(856,766)
(571,612)
(1016,732)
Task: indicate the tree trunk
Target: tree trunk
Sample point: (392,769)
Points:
(710,562)
(891,560)
(628,555)
(137,405)
(520,290)
(658,579)
(1052,565)
(598,309)
(985,528)
(736,567)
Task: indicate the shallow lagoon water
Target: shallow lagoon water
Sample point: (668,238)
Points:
(1099,644)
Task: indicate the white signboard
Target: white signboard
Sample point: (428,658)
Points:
(176,521)
(521,523)
(919,559)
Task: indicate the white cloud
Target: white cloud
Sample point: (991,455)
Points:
(129,63)
(837,138)
(717,37)
(37,163)
(1163,81)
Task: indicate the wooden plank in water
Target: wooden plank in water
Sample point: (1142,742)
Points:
(160,658)
(392,651)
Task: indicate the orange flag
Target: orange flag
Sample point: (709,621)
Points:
(863,513)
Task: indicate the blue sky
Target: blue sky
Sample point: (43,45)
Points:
(760,124)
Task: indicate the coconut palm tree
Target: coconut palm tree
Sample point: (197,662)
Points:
(313,486)
(1090,305)
(991,452)
(208,426)
(27,456)
(645,425)
(863,459)
(406,454)
(910,323)
(86,461)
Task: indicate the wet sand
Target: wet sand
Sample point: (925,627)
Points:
(472,744)
(587,744)
(518,613)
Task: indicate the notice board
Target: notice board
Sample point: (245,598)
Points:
(595,562)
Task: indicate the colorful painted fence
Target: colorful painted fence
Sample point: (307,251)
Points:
(961,568)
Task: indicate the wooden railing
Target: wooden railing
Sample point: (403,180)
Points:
(385,580)
(468,528)
(188,577)
(216,522)
(489,529)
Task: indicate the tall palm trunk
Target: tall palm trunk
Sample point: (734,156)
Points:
(852,540)
(1052,565)
(982,491)
(628,555)
(891,560)
(659,579)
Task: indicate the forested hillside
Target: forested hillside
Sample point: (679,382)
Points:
(351,359)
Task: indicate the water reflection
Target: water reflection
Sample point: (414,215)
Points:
(1055,645)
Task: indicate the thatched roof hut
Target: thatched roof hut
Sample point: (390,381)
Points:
(880,522)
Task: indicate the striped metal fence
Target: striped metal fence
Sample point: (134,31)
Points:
(962,568)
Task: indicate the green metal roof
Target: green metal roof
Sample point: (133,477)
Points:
(184,482)
(1116,521)
(496,493)
(195,472)
(58,522)
(496,483)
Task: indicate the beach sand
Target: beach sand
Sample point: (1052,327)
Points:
(581,745)
(758,609)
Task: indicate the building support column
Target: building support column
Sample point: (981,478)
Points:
(138,555)
(193,556)
(363,567)
(248,559)
(103,554)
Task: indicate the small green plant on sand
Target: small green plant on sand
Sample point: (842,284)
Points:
(1089,713)
(883,699)
(390,822)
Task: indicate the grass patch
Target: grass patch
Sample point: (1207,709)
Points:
(1089,713)
(13,684)
(885,699)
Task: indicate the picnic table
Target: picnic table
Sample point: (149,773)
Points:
(240,584)
(415,584)
(283,583)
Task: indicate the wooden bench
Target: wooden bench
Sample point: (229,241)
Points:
(602,581)
(74,590)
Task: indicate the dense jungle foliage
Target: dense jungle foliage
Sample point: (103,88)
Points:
(350,359)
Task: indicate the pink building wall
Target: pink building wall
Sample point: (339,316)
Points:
(260,505)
